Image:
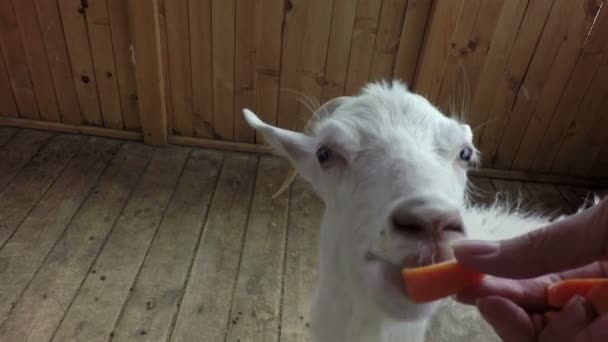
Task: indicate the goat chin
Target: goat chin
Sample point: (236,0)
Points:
(339,313)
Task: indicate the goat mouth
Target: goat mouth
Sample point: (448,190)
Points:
(412,260)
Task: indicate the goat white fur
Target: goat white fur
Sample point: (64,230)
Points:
(370,157)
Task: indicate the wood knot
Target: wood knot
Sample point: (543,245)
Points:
(85,79)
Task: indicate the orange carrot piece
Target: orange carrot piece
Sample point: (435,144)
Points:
(598,296)
(560,293)
(430,283)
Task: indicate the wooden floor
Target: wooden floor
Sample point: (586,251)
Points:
(108,240)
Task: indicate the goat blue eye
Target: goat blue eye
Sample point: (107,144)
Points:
(323,155)
(466,154)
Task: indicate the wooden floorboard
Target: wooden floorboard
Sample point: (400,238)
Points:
(24,191)
(205,308)
(301,262)
(6,134)
(151,308)
(94,312)
(18,151)
(25,251)
(255,312)
(104,240)
(42,306)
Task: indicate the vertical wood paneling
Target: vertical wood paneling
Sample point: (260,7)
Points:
(390,25)
(512,76)
(77,39)
(362,45)
(98,24)
(580,20)
(568,108)
(202,67)
(338,50)
(304,53)
(222,20)
(162,24)
(122,42)
(507,28)
(412,35)
(527,75)
(8,106)
(178,47)
(149,75)
(469,54)
(549,69)
(59,62)
(268,60)
(588,119)
(37,60)
(246,27)
(436,48)
(13,53)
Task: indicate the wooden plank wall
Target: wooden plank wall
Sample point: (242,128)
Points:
(531,76)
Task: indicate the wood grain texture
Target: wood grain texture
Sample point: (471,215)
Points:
(270,40)
(13,52)
(412,35)
(364,33)
(390,26)
(164,47)
(503,40)
(581,17)
(18,151)
(25,251)
(58,60)
(482,191)
(546,74)
(514,193)
(548,199)
(307,27)
(8,106)
(338,49)
(6,134)
(84,77)
(202,66)
(37,61)
(569,103)
(178,37)
(301,262)
(255,314)
(247,15)
(222,21)
(100,37)
(95,309)
(511,80)
(32,182)
(43,304)
(205,308)
(152,306)
(436,47)
(122,43)
(149,74)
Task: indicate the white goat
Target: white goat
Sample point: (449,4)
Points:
(391,170)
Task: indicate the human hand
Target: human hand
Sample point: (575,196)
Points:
(513,298)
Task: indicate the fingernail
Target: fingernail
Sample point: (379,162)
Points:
(474,247)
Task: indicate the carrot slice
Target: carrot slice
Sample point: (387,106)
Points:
(598,296)
(560,293)
(430,283)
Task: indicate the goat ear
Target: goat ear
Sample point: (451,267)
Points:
(467,131)
(292,145)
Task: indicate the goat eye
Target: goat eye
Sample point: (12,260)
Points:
(466,154)
(323,155)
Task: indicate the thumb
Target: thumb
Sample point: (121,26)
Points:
(575,241)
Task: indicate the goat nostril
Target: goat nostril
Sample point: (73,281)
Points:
(457,228)
(410,228)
